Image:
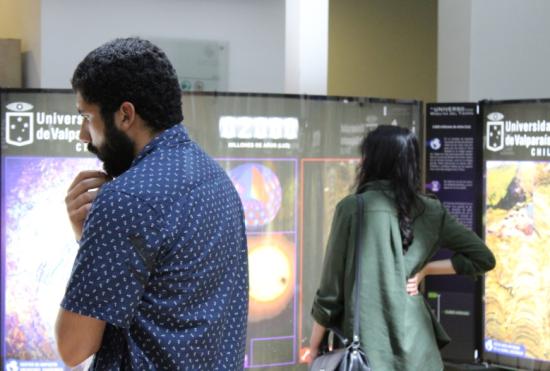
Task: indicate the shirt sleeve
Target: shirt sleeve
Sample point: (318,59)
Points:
(328,304)
(117,253)
(471,256)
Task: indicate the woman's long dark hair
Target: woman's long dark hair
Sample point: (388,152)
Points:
(392,153)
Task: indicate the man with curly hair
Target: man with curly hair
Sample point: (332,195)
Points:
(160,281)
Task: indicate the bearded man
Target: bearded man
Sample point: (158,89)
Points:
(160,281)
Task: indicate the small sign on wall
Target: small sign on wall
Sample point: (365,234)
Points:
(200,65)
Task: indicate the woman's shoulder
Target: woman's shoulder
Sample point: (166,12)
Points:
(432,204)
(347,203)
(374,200)
(347,206)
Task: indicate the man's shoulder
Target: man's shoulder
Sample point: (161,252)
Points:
(115,201)
(185,162)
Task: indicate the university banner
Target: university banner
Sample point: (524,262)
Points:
(517,230)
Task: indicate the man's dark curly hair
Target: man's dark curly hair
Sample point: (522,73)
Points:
(132,70)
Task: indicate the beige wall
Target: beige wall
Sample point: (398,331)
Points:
(383,48)
(9,27)
(20,19)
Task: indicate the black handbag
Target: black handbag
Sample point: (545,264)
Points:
(351,357)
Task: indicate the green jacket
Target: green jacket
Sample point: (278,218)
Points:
(397,331)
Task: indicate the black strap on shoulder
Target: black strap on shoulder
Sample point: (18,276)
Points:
(357,255)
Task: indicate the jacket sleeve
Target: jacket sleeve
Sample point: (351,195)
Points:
(471,256)
(328,304)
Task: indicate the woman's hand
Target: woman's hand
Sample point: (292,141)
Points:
(415,281)
(310,355)
(317,333)
(435,267)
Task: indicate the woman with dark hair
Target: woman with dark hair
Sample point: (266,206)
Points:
(402,230)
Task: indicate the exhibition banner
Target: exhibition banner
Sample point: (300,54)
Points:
(517,229)
(290,157)
(454,176)
(453,159)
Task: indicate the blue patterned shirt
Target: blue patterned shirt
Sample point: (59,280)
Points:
(163,260)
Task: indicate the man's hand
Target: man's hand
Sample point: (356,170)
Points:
(80,196)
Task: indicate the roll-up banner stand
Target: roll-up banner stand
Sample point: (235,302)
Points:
(517,229)
(454,176)
(291,157)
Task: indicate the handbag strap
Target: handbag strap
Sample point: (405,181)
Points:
(357,255)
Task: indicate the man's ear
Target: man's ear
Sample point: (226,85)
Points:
(126,116)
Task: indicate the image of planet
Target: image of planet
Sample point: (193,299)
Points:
(272,275)
(260,192)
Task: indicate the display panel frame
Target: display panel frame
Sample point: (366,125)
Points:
(509,159)
(329,126)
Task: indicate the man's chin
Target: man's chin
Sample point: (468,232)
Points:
(117,154)
(93,150)
(115,170)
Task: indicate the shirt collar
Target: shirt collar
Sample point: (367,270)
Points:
(382,184)
(167,138)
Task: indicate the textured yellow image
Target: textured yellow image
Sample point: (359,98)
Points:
(517,291)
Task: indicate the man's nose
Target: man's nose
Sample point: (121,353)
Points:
(84,135)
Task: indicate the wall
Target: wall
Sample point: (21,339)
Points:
(493,49)
(453,50)
(10,63)
(306,46)
(10,28)
(20,19)
(255,31)
(383,48)
(510,51)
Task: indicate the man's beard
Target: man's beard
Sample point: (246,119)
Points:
(116,152)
